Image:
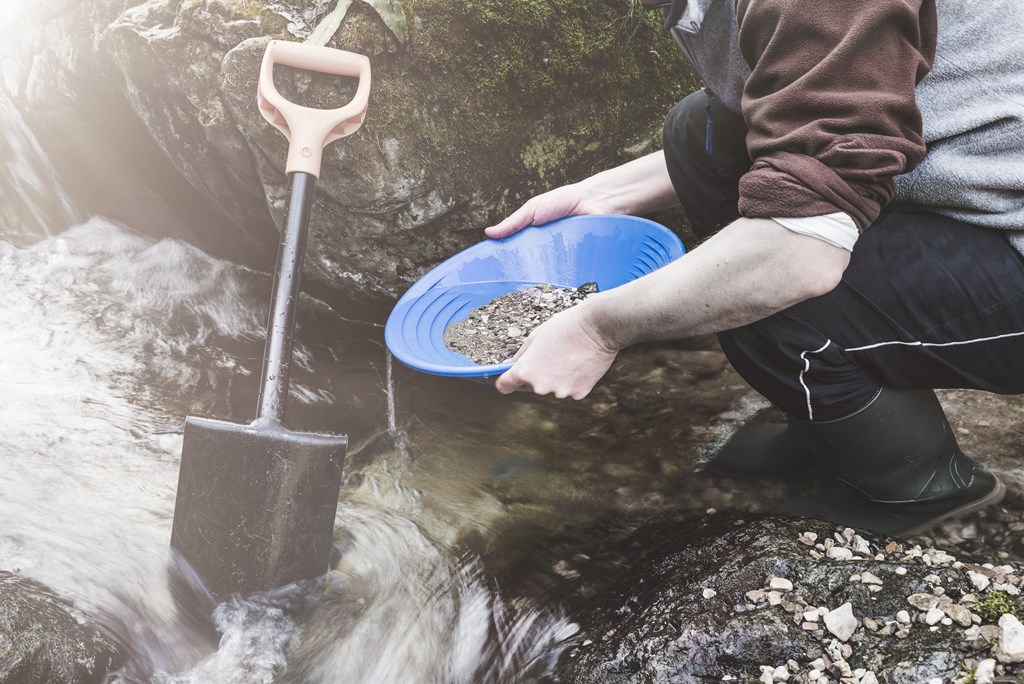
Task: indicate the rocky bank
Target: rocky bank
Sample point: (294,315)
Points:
(148,111)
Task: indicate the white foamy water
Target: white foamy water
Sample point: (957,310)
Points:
(108,340)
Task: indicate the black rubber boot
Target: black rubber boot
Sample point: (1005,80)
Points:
(900,453)
(766,450)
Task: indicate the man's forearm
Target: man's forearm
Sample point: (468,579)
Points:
(749,270)
(640,186)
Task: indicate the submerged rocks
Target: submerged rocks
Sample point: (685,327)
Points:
(887,612)
(43,639)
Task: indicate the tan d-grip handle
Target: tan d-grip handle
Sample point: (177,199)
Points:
(309,130)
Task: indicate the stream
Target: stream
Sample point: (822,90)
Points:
(463,514)
(450,494)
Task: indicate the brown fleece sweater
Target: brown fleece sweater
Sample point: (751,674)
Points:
(830,102)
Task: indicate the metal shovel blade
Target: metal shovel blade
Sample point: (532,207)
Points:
(256,503)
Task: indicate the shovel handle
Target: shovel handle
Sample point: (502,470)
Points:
(309,130)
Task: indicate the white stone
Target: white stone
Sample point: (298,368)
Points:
(923,601)
(780,584)
(868,578)
(986,672)
(901,570)
(818,664)
(774,598)
(841,622)
(813,675)
(766,675)
(933,616)
(860,545)
(813,536)
(780,674)
(959,614)
(1011,640)
(937,680)
(709,593)
(839,553)
(869,678)
(903,617)
(979,581)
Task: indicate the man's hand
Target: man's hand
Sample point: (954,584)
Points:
(564,357)
(568,200)
(640,186)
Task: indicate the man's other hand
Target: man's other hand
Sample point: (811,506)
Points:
(564,357)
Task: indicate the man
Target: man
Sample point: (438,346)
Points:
(860,169)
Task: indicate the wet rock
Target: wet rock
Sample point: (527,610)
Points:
(665,631)
(44,639)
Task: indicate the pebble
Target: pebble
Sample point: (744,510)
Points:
(841,622)
(901,570)
(860,545)
(869,578)
(933,616)
(839,553)
(986,672)
(903,617)
(923,601)
(780,584)
(869,678)
(979,580)
(958,614)
(709,593)
(1011,640)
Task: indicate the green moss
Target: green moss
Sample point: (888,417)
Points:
(996,604)
(544,91)
(247,9)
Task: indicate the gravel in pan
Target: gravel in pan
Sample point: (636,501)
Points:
(494,332)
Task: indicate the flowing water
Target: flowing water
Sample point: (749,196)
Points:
(110,338)
(464,517)
(461,510)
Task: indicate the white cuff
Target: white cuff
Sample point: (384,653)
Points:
(836,229)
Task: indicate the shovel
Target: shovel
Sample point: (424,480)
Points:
(256,503)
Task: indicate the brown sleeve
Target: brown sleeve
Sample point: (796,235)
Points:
(829,103)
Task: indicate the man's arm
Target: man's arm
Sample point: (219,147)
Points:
(751,269)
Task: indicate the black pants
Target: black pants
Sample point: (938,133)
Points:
(926,302)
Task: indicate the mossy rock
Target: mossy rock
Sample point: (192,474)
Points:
(485,104)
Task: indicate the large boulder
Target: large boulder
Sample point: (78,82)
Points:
(44,639)
(483,104)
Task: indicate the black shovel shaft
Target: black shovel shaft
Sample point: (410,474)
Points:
(284,306)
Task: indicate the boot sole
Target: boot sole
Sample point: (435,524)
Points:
(993,497)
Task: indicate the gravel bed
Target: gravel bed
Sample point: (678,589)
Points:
(494,332)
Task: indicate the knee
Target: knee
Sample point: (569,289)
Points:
(686,116)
